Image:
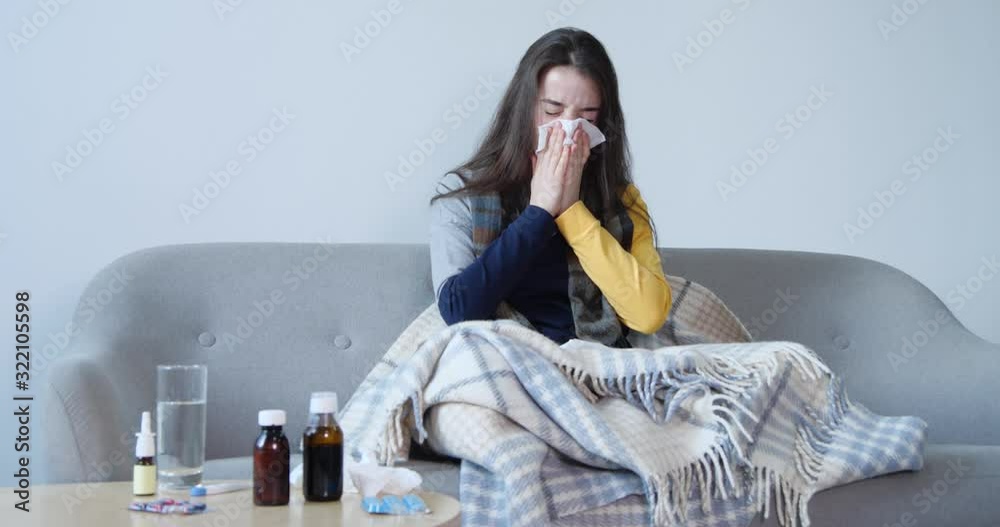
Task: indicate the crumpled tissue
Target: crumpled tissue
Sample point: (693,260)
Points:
(594,134)
(384,490)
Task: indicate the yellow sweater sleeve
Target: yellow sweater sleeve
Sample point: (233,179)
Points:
(632,281)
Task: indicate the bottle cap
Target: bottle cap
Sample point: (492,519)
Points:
(145,445)
(323,403)
(198,490)
(271,418)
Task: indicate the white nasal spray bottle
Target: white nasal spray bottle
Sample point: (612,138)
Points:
(144,470)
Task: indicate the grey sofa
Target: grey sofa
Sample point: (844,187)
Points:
(274,322)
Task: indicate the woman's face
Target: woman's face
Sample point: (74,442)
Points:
(565,93)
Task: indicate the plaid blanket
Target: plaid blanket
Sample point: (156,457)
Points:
(708,433)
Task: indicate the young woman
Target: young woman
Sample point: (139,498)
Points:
(560,240)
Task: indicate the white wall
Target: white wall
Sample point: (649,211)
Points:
(323,176)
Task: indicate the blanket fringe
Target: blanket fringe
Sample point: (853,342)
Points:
(815,435)
(582,381)
(807,361)
(725,374)
(652,389)
(721,379)
(791,503)
(669,494)
(395,440)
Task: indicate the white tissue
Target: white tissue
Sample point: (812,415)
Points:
(569,125)
(370,479)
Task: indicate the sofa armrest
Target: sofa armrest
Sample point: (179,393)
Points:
(79,435)
(898,347)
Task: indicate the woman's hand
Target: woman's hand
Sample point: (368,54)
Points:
(548,172)
(557,170)
(579,154)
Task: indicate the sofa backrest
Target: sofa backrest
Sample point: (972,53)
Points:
(276,321)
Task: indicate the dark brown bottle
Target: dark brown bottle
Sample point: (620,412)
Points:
(323,450)
(271,460)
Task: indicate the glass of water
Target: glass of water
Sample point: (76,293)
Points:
(180,425)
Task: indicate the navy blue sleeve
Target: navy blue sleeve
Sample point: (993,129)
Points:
(476,291)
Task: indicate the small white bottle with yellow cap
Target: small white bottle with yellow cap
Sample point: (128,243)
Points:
(144,470)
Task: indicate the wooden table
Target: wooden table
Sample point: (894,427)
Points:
(105,504)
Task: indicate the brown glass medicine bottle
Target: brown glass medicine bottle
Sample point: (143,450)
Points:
(323,450)
(271,458)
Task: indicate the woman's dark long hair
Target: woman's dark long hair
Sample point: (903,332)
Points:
(502,162)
